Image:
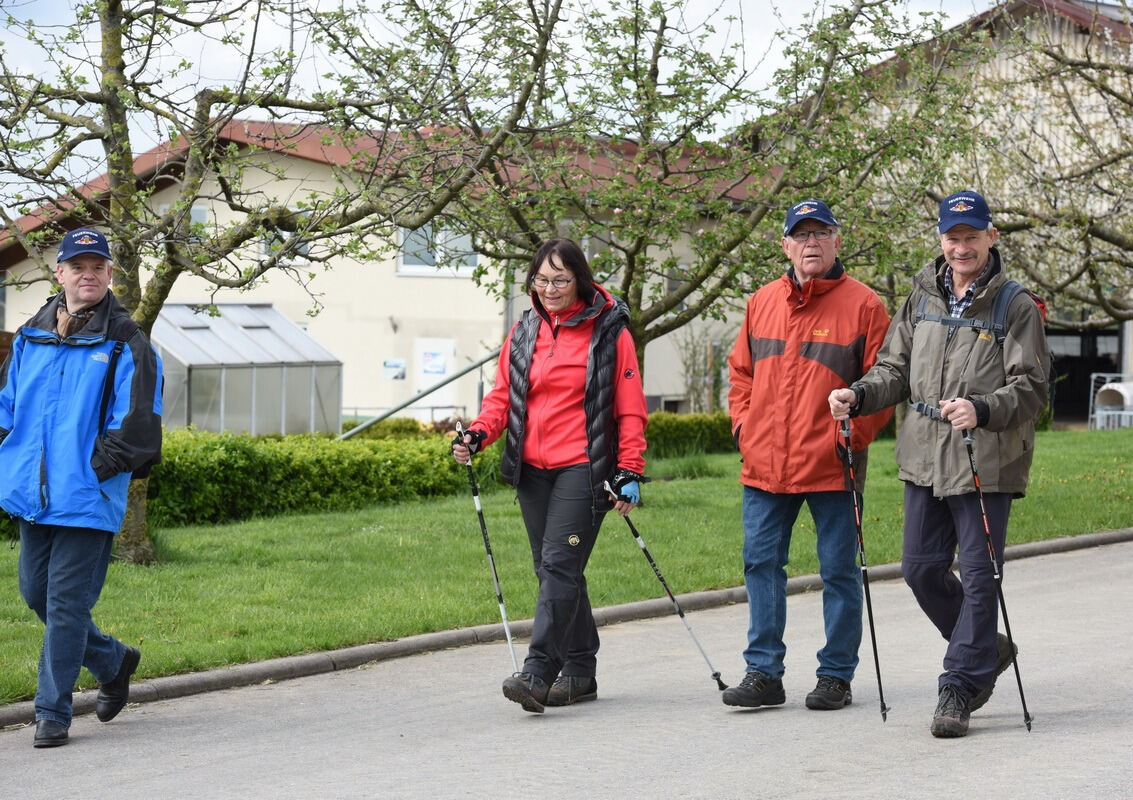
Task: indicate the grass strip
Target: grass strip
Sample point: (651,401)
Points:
(286,585)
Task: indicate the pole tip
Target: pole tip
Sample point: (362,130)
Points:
(719,683)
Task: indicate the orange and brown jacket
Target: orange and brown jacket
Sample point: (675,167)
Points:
(798,344)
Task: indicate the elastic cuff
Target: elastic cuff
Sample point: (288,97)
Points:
(983,411)
(859,398)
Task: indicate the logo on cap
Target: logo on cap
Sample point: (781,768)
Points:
(961,207)
(806,210)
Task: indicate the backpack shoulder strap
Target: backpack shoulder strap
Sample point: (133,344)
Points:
(999,308)
(120,330)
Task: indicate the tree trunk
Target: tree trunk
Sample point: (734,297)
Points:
(134,544)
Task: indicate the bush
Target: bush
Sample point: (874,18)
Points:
(223,477)
(210,477)
(390,428)
(670,435)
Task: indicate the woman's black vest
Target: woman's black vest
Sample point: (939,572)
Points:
(598,399)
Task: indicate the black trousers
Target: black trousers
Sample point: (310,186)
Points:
(965,610)
(562,527)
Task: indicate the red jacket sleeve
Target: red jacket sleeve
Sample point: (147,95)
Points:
(630,410)
(740,374)
(493,412)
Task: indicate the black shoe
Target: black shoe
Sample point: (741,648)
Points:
(755,690)
(112,696)
(49,733)
(530,691)
(1004,653)
(951,718)
(570,689)
(830,694)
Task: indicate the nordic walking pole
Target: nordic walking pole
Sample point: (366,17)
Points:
(488,548)
(849,461)
(1027,718)
(668,591)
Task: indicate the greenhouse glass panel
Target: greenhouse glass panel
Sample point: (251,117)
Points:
(269,400)
(205,405)
(238,412)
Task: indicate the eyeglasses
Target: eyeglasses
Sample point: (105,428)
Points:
(541,282)
(819,236)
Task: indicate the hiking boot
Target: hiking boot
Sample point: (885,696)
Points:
(830,694)
(755,690)
(951,718)
(1004,653)
(570,689)
(530,691)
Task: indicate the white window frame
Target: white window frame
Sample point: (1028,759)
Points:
(198,215)
(443,239)
(296,259)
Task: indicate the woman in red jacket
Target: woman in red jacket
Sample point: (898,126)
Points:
(568,392)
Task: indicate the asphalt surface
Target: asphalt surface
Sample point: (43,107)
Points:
(428,723)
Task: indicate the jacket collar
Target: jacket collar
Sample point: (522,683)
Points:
(799,294)
(94,331)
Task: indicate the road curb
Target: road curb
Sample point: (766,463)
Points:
(278,669)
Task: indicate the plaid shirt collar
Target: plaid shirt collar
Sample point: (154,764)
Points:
(958,305)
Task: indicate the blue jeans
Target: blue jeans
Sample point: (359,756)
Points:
(768,519)
(61,573)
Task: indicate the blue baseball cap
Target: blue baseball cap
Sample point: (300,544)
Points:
(83,240)
(963,208)
(808,209)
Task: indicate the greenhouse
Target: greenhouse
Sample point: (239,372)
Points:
(246,369)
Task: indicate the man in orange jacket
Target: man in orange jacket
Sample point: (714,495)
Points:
(810,331)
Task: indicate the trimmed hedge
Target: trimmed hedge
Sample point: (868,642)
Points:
(212,478)
(670,435)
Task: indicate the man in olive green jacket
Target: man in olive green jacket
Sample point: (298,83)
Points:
(958,376)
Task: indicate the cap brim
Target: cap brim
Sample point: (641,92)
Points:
(971,222)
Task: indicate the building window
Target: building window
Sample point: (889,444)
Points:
(435,251)
(198,221)
(276,241)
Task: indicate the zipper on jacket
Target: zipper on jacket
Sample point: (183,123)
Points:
(554,336)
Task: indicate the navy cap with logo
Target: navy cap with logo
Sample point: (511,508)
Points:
(84,240)
(963,208)
(808,209)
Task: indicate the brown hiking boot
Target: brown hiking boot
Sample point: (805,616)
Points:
(570,689)
(529,690)
(951,718)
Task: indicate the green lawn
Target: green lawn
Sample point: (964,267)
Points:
(286,585)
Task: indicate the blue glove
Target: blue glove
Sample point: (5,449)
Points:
(630,492)
(627,485)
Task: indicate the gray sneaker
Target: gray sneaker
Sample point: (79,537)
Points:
(529,690)
(1003,657)
(951,718)
(755,690)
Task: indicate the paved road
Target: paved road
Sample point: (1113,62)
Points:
(435,724)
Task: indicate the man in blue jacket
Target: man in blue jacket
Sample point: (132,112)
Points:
(80,410)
